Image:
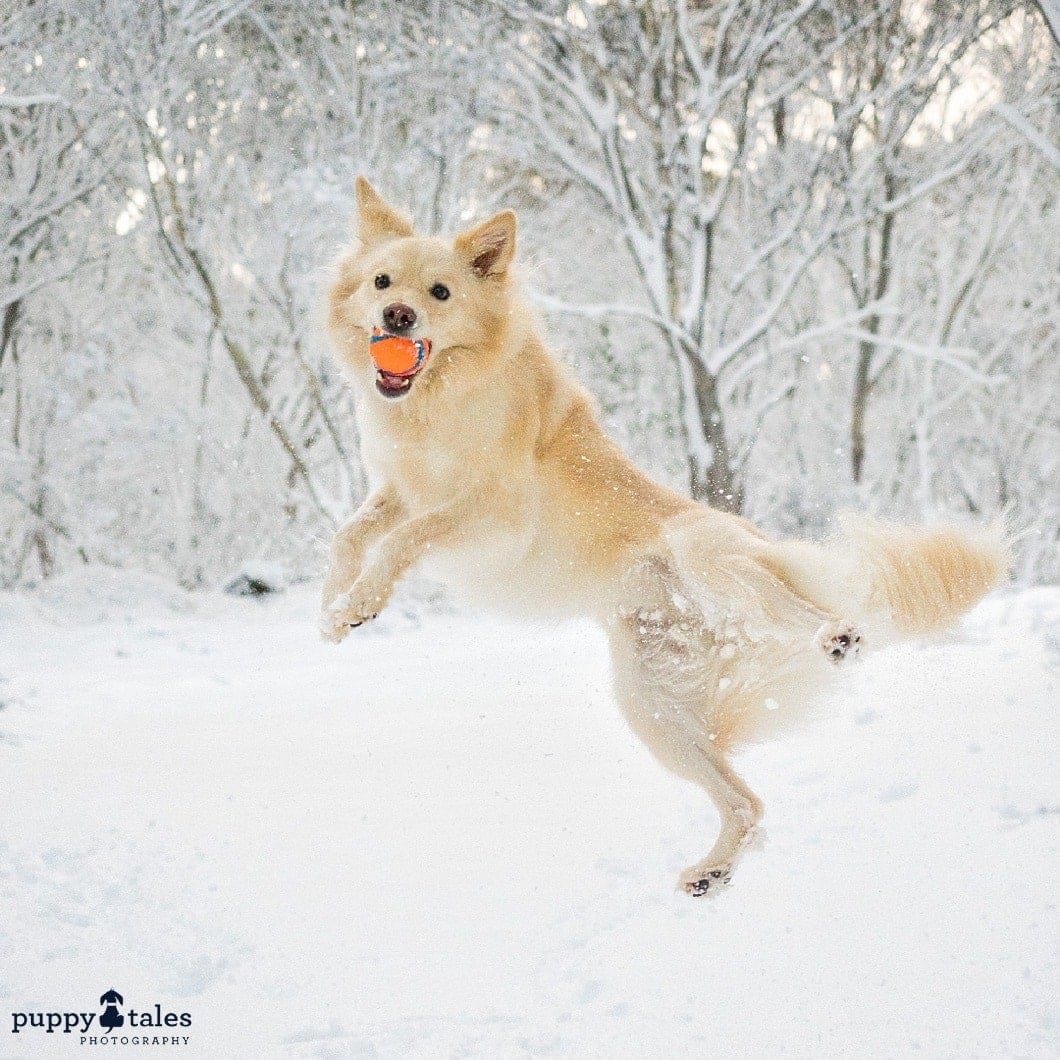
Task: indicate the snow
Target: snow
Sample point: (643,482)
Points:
(439,839)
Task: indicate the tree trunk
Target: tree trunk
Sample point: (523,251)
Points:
(236,354)
(712,481)
(7,327)
(857,409)
(867,347)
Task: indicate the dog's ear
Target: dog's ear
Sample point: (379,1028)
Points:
(376,221)
(489,247)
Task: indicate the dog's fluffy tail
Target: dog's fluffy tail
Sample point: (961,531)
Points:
(924,579)
(900,581)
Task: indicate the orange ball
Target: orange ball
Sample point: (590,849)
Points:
(397,356)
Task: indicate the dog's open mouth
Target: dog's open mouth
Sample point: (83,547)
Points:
(397,361)
(392,386)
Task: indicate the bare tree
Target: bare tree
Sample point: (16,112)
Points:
(663,115)
(789,244)
(53,159)
(898,68)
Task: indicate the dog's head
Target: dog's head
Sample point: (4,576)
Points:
(437,308)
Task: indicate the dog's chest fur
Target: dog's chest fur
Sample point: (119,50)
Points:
(430,460)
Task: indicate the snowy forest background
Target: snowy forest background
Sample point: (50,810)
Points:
(805,253)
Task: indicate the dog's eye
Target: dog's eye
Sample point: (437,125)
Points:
(382,282)
(440,291)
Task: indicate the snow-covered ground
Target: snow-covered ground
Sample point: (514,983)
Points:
(439,839)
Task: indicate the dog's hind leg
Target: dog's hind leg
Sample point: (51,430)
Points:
(682,744)
(670,674)
(672,739)
(754,589)
(684,753)
(740,811)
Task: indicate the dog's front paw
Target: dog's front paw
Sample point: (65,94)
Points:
(342,616)
(351,609)
(839,642)
(334,623)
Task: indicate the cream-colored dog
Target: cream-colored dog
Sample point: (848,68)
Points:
(489,458)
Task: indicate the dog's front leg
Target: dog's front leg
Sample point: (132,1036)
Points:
(397,551)
(375,518)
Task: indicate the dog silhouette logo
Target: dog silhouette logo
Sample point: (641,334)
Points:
(111,1017)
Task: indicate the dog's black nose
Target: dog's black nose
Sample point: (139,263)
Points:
(399,317)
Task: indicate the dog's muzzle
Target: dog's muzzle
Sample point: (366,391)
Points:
(397,360)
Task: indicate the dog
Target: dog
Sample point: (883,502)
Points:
(491,464)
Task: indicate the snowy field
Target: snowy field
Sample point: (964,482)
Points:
(439,839)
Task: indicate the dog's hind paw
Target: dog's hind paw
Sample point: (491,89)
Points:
(698,882)
(839,642)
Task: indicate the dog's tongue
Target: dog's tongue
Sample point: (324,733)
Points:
(390,379)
